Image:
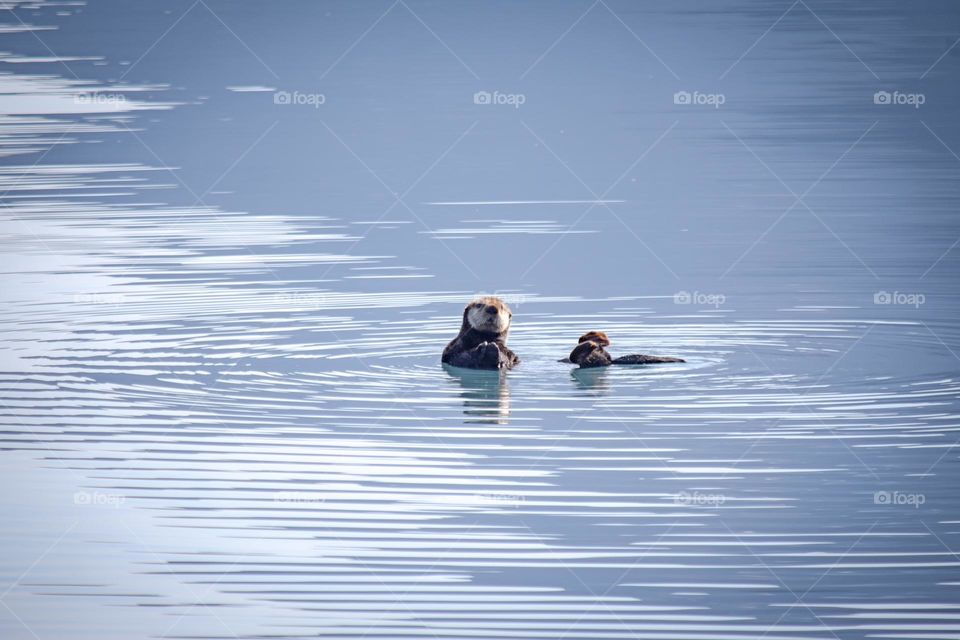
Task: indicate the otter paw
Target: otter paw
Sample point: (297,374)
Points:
(489,355)
(589,354)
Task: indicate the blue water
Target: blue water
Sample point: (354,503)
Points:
(237,235)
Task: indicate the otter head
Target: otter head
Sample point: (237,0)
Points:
(584,349)
(598,337)
(488,315)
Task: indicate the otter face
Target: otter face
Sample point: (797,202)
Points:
(598,337)
(489,314)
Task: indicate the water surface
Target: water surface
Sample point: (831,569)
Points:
(236,237)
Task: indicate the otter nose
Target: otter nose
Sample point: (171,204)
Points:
(491,309)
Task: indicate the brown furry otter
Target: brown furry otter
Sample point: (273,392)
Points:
(482,341)
(590,352)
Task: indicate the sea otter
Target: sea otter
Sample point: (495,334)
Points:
(482,341)
(590,352)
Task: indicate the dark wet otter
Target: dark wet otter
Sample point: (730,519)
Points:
(590,352)
(482,341)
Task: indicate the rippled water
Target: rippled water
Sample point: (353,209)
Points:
(224,413)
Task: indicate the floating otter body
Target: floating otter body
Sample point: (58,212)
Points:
(482,341)
(590,352)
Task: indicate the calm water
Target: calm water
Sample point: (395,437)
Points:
(237,235)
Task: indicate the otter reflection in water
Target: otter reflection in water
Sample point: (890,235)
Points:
(594,380)
(485,394)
